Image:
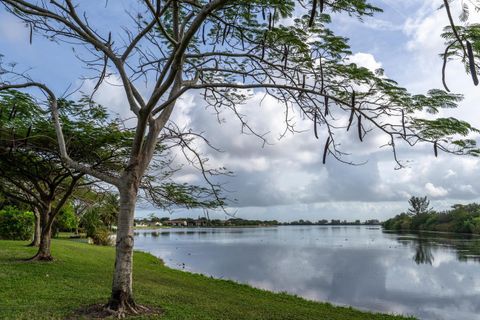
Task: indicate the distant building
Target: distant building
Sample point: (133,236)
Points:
(198,223)
(176,223)
(140,224)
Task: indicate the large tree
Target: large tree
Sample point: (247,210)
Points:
(225,51)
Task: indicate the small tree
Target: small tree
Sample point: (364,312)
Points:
(419,205)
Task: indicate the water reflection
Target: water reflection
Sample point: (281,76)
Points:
(423,252)
(430,276)
(465,246)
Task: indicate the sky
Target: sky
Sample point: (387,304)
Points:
(286,180)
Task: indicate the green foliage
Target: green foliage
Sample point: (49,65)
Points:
(98,220)
(101,236)
(437,128)
(419,205)
(92,139)
(475,225)
(30,164)
(355,7)
(400,222)
(90,222)
(471,33)
(16,224)
(170,194)
(185,194)
(27,134)
(247,44)
(419,220)
(66,219)
(460,219)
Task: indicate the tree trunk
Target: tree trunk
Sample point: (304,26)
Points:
(38,229)
(121,300)
(44,253)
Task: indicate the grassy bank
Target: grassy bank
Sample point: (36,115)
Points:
(81,275)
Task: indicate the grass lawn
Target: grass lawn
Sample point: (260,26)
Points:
(81,275)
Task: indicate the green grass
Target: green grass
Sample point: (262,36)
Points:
(81,275)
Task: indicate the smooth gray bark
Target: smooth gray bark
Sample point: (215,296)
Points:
(122,292)
(37,229)
(44,252)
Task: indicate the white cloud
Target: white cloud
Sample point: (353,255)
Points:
(13,30)
(467,188)
(111,95)
(187,178)
(435,192)
(450,173)
(365,60)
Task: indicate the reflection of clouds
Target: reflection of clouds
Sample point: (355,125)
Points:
(442,257)
(352,272)
(344,265)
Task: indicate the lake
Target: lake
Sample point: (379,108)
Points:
(431,276)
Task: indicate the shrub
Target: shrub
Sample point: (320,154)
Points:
(95,228)
(476,225)
(102,237)
(405,224)
(418,221)
(66,221)
(16,224)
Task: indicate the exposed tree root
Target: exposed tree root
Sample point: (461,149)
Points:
(33,244)
(127,310)
(122,305)
(40,257)
(99,311)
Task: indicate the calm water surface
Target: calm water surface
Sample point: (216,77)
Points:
(430,276)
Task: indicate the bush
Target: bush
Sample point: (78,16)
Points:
(102,237)
(66,221)
(418,221)
(476,225)
(95,228)
(16,224)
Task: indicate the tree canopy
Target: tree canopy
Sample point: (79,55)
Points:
(419,205)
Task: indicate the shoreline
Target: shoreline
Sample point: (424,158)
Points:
(476,235)
(259,226)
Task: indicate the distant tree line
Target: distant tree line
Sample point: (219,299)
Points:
(165,221)
(460,218)
(333,222)
(203,221)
